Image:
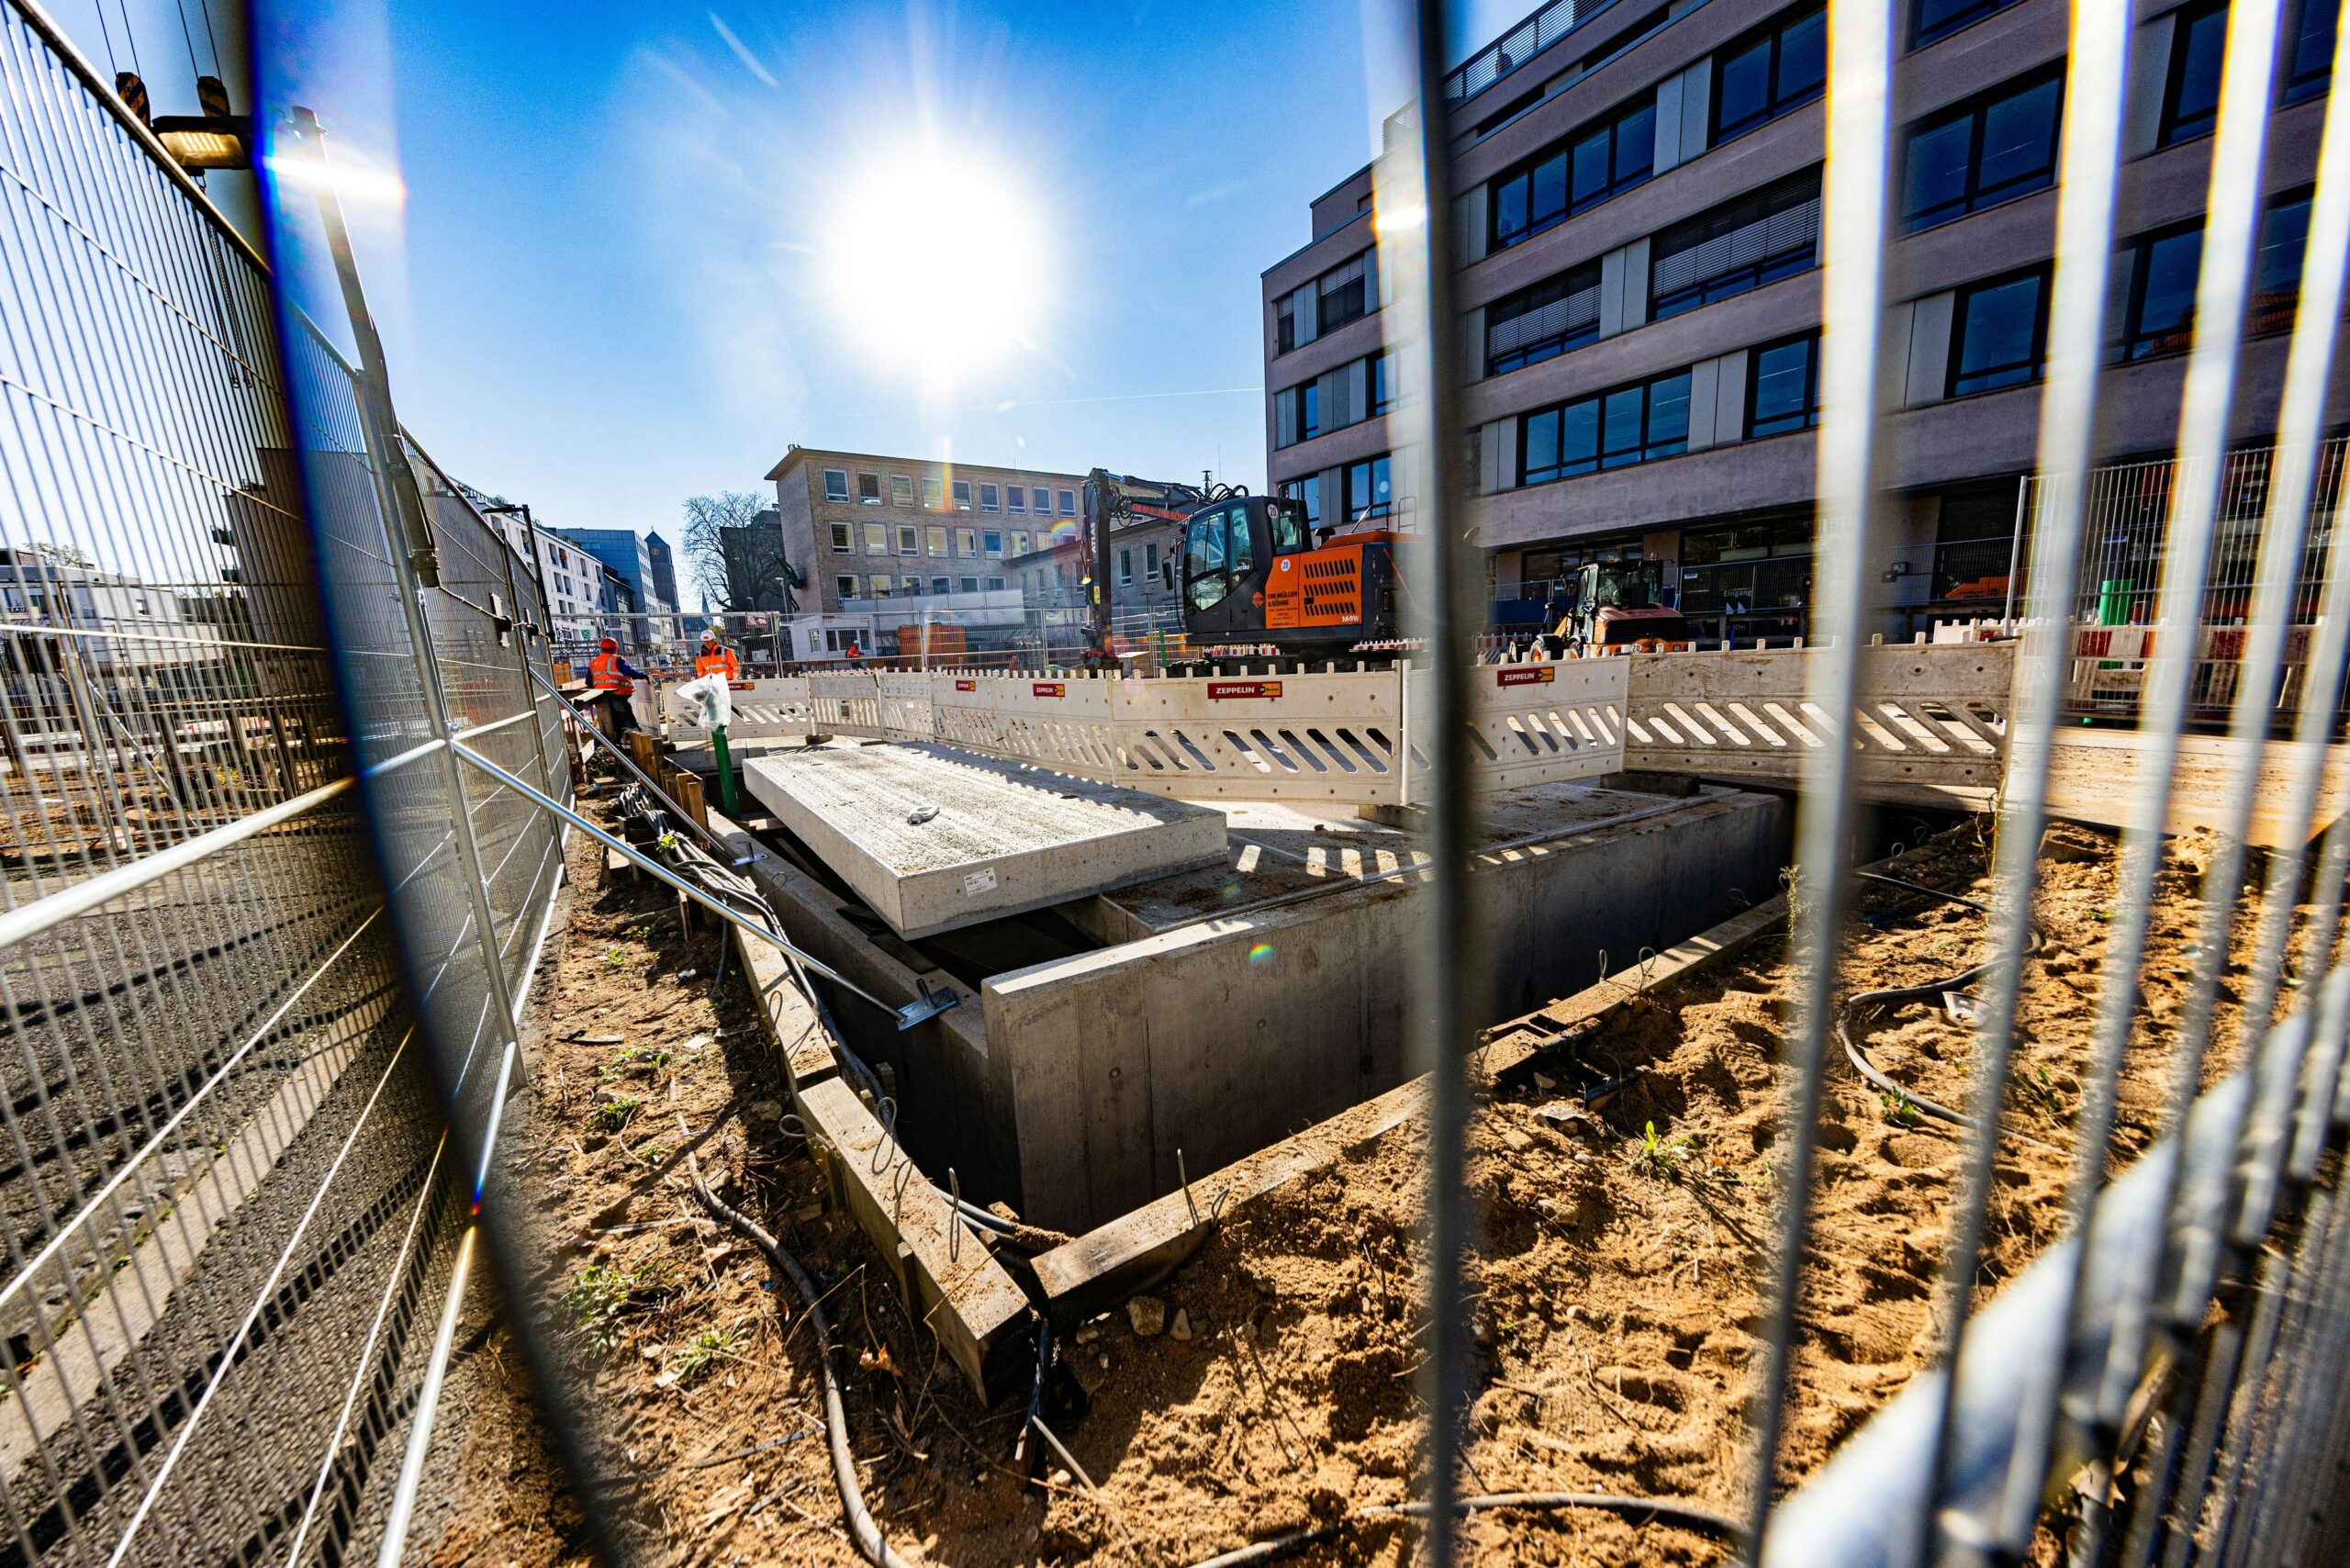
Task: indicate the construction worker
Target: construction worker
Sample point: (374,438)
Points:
(716,657)
(609,672)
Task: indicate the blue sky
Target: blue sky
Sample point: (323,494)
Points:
(615,279)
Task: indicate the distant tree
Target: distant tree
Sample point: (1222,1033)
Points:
(735,544)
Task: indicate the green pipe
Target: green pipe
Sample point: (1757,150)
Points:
(725,772)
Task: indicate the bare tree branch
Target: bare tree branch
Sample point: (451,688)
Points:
(734,544)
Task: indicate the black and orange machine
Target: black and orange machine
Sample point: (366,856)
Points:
(1256,582)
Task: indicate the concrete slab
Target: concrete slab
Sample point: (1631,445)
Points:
(1280,852)
(994,838)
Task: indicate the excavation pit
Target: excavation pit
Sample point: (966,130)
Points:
(1109,1045)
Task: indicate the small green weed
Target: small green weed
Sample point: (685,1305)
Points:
(633,1059)
(614,956)
(603,1296)
(704,1352)
(1660,1157)
(614,1114)
(2040,1095)
(1899,1109)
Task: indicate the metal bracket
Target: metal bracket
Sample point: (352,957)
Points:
(932,1003)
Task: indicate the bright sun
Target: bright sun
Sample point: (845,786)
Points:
(933,257)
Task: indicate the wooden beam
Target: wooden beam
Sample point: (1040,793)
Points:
(2093,777)
(944,1272)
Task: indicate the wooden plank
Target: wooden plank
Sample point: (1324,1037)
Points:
(2094,776)
(1098,1269)
(950,1280)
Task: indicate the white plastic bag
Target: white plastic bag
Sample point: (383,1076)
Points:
(705,701)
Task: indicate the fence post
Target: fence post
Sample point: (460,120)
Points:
(404,519)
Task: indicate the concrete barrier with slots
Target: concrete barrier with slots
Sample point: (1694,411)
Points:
(1931,729)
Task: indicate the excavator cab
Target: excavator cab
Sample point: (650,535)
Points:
(1620,604)
(1254,579)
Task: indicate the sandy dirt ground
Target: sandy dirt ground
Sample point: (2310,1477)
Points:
(1612,1292)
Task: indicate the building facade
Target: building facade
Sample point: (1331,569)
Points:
(861,528)
(663,564)
(1638,205)
(629,559)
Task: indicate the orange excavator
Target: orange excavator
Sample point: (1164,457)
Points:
(1256,582)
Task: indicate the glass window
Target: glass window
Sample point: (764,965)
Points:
(993,541)
(841,537)
(876,539)
(1068,503)
(1783,386)
(1242,546)
(1997,334)
(995,585)
(1613,429)
(967,541)
(1018,540)
(2277,264)
(1285,324)
(901,490)
(1597,163)
(1346,291)
(1543,322)
(1204,565)
(934,494)
(1381,396)
(1758,239)
(2311,65)
(2199,42)
(2159,315)
(962,494)
(1289,529)
(868,489)
(939,585)
(1307,495)
(1150,557)
(845,587)
(969,585)
(1370,489)
(937,537)
(909,540)
(1940,19)
(1126,567)
(879,585)
(988,498)
(836,483)
(1989,149)
(1015,498)
(1767,74)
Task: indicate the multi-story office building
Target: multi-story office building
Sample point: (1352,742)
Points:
(628,555)
(663,566)
(861,528)
(1638,198)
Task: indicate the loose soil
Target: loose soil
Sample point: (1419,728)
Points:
(1613,1290)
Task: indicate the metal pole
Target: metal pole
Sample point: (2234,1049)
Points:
(415,566)
(2015,555)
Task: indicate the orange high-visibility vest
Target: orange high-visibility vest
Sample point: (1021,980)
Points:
(604,675)
(723,661)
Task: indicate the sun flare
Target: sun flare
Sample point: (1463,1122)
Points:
(934,258)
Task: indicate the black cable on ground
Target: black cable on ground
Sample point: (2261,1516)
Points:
(1640,1510)
(866,1533)
(1894,996)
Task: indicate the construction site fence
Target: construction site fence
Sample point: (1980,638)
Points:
(231,1209)
(1932,721)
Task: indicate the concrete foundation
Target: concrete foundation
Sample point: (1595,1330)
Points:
(1226,1007)
(933,839)
(1219,1033)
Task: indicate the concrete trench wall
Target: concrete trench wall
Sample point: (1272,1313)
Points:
(1218,1038)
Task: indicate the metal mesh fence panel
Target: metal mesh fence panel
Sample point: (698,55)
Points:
(228,1212)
